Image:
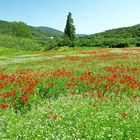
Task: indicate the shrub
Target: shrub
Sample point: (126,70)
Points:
(7,41)
(138,44)
(119,45)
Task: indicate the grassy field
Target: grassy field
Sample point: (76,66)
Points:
(70,94)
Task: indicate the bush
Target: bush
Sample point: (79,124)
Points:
(66,42)
(7,41)
(119,45)
(138,44)
(51,44)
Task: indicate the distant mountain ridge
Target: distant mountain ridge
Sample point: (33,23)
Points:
(50,30)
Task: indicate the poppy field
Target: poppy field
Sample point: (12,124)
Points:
(71,94)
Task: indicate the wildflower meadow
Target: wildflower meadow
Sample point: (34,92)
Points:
(87,94)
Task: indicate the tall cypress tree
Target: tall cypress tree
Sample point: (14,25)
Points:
(70,28)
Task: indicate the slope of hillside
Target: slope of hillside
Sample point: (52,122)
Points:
(81,35)
(20,28)
(49,30)
(53,31)
(21,36)
(126,36)
(2,24)
(124,32)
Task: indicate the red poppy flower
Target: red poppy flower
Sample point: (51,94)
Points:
(55,117)
(94,105)
(122,81)
(85,90)
(3,106)
(135,97)
(92,95)
(25,98)
(117,91)
(124,115)
(115,76)
(100,95)
(124,89)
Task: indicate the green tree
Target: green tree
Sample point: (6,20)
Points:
(19,29)
(70,28)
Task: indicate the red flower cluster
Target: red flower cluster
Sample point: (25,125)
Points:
(105,81)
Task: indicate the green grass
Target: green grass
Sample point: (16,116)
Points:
(74,117)
(13,52)
(71,112)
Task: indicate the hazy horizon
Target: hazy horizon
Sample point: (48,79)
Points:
(90,16)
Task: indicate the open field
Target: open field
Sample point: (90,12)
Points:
(70,94)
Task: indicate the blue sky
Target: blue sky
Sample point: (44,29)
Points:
(90,16)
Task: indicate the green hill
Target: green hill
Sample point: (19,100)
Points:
(3,24)
(81,35)
(20,29)
(49,30)
(19,35)
(126,36)
(125,32)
